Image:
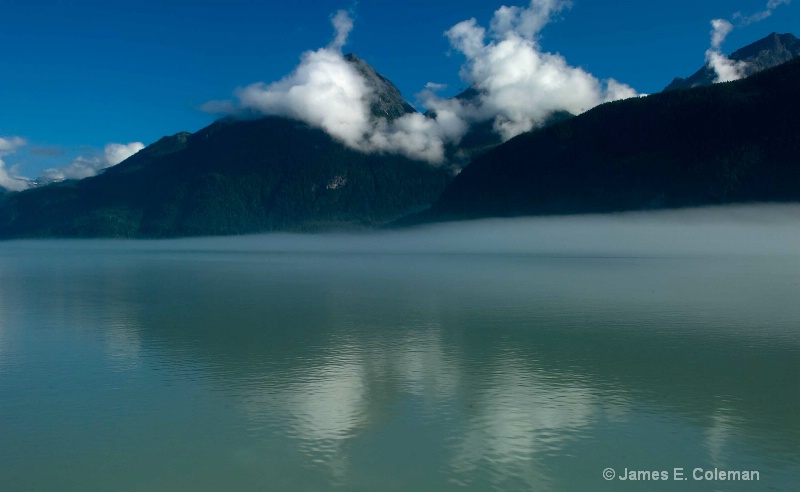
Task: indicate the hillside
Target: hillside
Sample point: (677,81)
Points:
(732,142)
(232,177)
(235,177)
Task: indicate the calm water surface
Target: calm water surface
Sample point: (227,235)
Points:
(204,365)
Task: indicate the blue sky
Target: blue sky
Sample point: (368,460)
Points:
(78,75)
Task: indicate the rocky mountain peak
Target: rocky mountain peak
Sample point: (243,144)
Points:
(765,53)
(387,101)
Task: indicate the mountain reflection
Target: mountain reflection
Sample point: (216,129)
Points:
(489,372)
(345,390)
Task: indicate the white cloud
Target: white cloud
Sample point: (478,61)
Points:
(527,22)
(115,153)
(327,92)
(725,68)
(81,167)
(324,91)
(720,30)
(343,24)
(413,135)
(467,37)
(9,177)
(745,20)
(519,85)
(433,86)
(84,167)
(11,144)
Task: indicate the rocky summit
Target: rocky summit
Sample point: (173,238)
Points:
(761,55)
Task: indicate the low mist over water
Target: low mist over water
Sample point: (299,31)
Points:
(515,354)
(754,229)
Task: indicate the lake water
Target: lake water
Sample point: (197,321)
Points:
(510,355)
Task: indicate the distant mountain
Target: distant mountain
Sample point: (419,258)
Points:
(234,177)
(734,142)
(761,55)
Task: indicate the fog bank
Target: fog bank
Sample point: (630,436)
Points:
(731,230)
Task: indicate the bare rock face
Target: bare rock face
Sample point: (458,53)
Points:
(769,52)
(387,102)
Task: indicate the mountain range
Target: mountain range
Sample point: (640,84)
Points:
(711,144)
(765,53)
(732,142)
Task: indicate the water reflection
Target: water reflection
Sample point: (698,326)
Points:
(718,436)
(350,387)
(519,415)
(318,408)
(423,366)
(432,372)
(122,343)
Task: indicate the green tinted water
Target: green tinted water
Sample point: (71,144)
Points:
(197,365)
